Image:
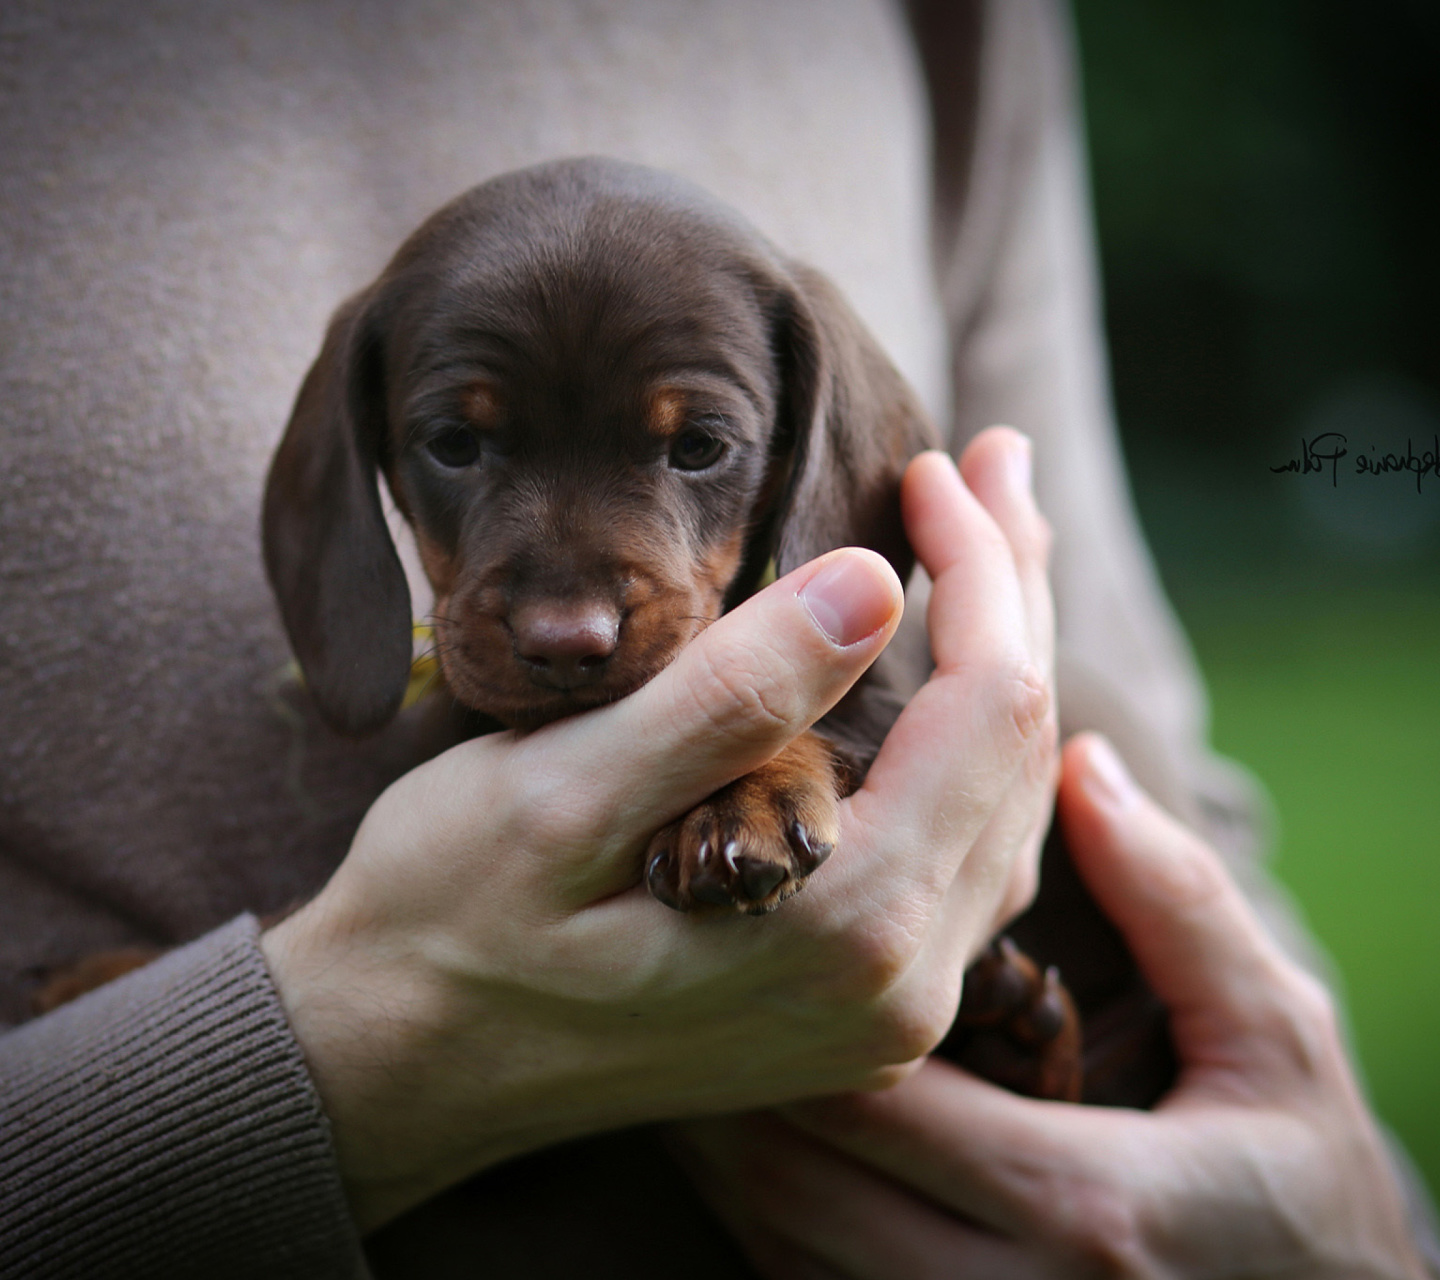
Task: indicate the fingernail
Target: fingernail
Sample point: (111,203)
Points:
(848,599)
(1021,467)
(1106,778)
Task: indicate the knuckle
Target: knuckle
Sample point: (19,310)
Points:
(880,958)
(1034,541)
(1192,881)
(1027,699)
(910,1025)
(738,701)
(1314,1002)
(875,962)
(909,1030)
(1303,1025)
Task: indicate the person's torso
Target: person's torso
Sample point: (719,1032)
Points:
(188,192)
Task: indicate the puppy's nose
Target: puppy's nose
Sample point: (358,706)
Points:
(565,643)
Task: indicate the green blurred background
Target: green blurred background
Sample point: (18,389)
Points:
(1267,187)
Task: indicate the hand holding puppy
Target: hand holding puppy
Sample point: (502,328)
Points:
(1262,1161)
(484,974)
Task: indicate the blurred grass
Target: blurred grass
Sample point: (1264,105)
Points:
(1333,699)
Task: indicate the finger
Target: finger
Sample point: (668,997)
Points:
(966,554)
(732,699)
(1215,1189)
(956,747)
(1000,875)
(792,1199)
(1193,934)
(1040,1172)
(996,467)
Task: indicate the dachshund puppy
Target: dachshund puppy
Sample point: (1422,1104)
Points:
(605,405)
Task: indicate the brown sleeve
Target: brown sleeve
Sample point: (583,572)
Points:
(165,1125)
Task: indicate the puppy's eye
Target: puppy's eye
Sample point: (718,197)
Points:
(455,448)
(694,450)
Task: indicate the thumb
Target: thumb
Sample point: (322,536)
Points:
(1196,939)
(741,691)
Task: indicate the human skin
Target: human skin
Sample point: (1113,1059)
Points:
(1263,1160)
(485,975)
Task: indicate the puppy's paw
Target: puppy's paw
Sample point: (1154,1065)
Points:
(1018,1027)
(752,844)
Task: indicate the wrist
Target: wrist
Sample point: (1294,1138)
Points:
(428,1073)
(363,1023)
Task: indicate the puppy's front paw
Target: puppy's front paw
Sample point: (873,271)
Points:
(752,844)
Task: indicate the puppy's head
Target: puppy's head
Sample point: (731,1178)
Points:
(604,404)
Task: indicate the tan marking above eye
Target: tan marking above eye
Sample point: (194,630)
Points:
(667,412)
(483,404)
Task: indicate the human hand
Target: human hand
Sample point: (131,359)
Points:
(1262,1161)
(484,974)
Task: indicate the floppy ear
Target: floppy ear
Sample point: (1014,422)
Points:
(331,562)
(852,424)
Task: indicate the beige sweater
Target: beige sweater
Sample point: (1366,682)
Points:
(187,190)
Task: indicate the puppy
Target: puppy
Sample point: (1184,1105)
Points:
(606,406)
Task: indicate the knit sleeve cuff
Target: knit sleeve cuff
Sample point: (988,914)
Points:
(165,1125)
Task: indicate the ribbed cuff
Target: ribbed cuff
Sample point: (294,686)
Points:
(165,1125)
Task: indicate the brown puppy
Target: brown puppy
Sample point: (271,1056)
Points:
(605,405)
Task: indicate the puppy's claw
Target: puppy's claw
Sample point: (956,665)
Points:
(1045,1019)
(659,878)
(731,846)
(809,853)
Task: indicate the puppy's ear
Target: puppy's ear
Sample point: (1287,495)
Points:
(341,589)
(851,423)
